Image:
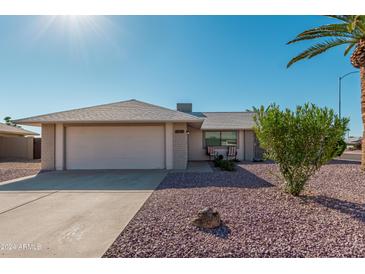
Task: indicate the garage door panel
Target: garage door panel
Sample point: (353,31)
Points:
(115,147)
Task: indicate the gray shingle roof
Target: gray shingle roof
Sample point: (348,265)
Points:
(5,129)
(226,120)
(137,111)
(125,111)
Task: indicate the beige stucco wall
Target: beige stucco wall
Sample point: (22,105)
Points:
(178,147)
(249,141)
(180,143)
(16,147)
(169,146)
(196,152)
(48,147)
(59,146)
(241,147)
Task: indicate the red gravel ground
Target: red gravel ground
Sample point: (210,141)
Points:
(14,168)
(328,220)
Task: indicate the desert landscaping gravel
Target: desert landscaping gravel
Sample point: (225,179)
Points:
(14,168)
(327,220)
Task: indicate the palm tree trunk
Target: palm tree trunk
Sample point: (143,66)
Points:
(362,77)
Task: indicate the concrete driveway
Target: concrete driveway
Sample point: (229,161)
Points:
(70,213)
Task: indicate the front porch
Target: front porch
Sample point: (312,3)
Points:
(245,143)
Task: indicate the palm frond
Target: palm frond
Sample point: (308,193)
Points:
(350,30)
(344,18)
(331,30)
(327,28)
(347,50)
(358,23)
(320,35)
(353,24)
(319,48)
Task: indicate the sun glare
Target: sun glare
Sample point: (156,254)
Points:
(75,31)
(80,24)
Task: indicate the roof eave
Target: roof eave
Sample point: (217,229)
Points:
(226,128)
(39,123)
(26,123)
(3,133)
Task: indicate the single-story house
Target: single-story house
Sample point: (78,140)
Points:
(16,142)
(137,135)
(354,142)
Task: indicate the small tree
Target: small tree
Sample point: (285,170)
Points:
(8,121)
(300,142)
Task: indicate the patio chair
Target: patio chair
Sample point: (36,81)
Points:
(232,152)
(211,152)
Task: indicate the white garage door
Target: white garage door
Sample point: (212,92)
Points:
(115,147)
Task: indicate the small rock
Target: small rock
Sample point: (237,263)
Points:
(207,218)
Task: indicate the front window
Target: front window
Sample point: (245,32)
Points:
(220,138)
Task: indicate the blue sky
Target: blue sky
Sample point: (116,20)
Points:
(218,63)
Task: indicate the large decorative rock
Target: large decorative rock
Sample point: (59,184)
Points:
(207,218)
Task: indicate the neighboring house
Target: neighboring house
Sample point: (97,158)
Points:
(354,142)
(137,135)
(16,142)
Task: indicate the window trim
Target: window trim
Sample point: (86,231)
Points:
(220,134)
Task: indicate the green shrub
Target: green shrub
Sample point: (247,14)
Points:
(340,147)
(227,165)
(300,142)
(217,160)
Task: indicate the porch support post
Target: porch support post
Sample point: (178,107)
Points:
(169,149)
(59,146)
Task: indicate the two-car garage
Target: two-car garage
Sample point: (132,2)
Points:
(114,147)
